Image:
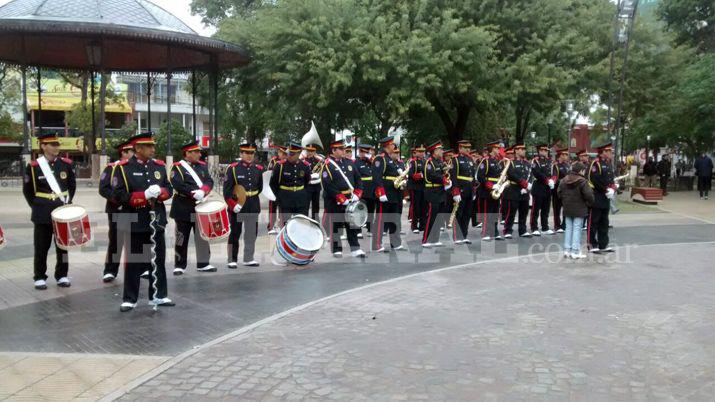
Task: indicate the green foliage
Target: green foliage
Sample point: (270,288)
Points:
(179,136)
(693,22)
(9,129)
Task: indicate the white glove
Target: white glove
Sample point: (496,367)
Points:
(383,198)
(354,198)
(551,184)
(152,192)
(496,188)
(529,186)
(346,202)
(524,191)
(399,171)
(237,208)
(618,186)
(457,198)
(448,186)
(610,193)
(198,195)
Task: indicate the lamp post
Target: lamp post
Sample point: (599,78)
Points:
(570,111)
(647,146)
(549,125)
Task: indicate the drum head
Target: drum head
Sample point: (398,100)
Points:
(210,206)
(68,213)
(304,234)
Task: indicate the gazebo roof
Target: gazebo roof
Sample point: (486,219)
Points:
(134,35)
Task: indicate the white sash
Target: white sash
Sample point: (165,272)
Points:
(51,179)
(192,173)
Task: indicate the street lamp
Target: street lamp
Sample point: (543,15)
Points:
(570,111)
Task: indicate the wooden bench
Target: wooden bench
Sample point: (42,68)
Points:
(646,195)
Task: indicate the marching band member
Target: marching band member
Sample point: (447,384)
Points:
(140,185)
(349,153)
(385,171)
(478,201)
(289,181)
(416,185)
(117,230)
(397,158)
(544,183)
(562,167)
(49,183)
(488,175)
(508,157)
(436,186)
(583,157)
(192,182)
(273,205)
(516,196)
(337,196)
(249,175)
(313,189)
(363,164)
(462,175)
(600,177)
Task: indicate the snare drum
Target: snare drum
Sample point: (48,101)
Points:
(300,240)
(212,220)
(356,214)
(70,224)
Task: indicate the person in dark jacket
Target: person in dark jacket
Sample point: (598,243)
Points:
(650,170)
(576,197)
(664,173)
(704,171)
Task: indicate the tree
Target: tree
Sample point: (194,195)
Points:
(179,137)
(692,21)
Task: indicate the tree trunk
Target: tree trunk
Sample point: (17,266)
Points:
(522,114)
(454,129)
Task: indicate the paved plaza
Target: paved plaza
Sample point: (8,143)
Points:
(495,321)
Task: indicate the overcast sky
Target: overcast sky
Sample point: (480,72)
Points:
(179,8)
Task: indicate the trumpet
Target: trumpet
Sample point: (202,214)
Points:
(502,183)
(401,181)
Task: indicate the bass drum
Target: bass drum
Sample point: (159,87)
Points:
(356,214)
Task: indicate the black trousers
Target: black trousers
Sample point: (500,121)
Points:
(203,251)
(370,204)
(514,207)
(272,208)
(417,207)
(704,183)
(117,238)
(387,217)
(437,213)
(287,211)
(464,214)
(490,217)
(558,206)
(476,211)
(334,223)
(139,260)
(314,204)
(42,241)
(598,228)
(238,221)
(540,209)
(664,184)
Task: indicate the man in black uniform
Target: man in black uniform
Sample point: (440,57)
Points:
(313,189)
(289,183)
(600,177)
(436,186)
(477,213)
(488,175)
(249,175)
(401,166)
(49,182)
(516,196)
(117,230)
(363,164)
(192,183)
(342,184)
(273,205)
(384,173)
(544,183)
(462,175)
(561,168)
(141,186)
(416,185)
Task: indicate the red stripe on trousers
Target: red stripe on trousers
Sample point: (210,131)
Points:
(427,229)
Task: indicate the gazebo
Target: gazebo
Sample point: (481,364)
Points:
(104,36)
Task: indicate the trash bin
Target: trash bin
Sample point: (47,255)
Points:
(684,183)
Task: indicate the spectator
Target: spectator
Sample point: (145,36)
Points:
(704,171)
(576,196)
(650,170)
(664,173)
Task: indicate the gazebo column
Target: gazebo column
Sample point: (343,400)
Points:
(102,129)
(169,155)
(39,102)
(193,102)
(213,82)
(26,151)
(94,120)
(148,101)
